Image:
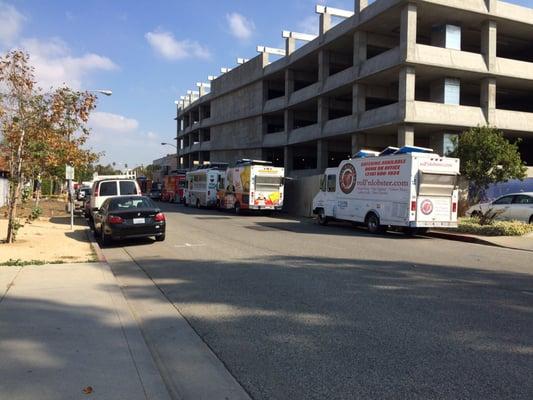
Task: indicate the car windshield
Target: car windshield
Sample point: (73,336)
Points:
(129,203)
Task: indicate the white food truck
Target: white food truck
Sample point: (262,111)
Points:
(412,188)
(202,184)
(252,185)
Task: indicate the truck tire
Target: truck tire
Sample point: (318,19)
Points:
(322,218)
(373,224)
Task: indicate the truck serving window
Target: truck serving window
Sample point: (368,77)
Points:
(332,183)
(268,182)
(432,184)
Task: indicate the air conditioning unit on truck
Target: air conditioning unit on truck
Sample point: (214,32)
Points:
(410,188)
(252,185)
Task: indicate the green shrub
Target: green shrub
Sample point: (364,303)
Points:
(496,228)
(36,212)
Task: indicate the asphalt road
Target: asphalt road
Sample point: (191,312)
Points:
(299,311)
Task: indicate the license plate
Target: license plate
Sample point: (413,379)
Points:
(138,220)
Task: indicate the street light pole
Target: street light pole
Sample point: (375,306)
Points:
(105,92)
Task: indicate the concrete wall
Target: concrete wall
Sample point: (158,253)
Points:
(238,134)
(4,190)
(299,194)
(234,155)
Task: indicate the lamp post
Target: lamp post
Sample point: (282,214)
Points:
(169,144)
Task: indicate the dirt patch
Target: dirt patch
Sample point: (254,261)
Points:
(48,239)
(51,208)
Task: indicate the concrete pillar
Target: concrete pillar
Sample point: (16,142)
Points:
(191,163)
(289,83)
(359,5)
(488,99)
(200,158)
(288,120)
(406,90)
(491,6)
(321,154)
(406,135)
(359,48)
(290,45)
(489,37)
(287,159)
(323,65)
(358,142)
(358,103)
(408,30)
(325,23)
(323,111)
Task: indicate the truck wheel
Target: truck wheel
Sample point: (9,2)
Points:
(237,208)
(322,219)
(373,225)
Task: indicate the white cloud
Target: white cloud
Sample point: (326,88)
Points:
(11,21)
(151,135)
(309,25)
(55,65)
(166,45)
(112,122)
(240,27)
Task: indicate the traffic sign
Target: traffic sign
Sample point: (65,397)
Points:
(69,172)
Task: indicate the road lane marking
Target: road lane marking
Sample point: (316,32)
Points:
(189,245)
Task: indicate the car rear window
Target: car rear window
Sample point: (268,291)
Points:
(127,188)
(130,203)
(108,189)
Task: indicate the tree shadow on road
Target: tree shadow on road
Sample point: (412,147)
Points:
(302,328)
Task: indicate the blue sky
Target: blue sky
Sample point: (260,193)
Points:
(148,53)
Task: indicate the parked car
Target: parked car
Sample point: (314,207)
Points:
(87,207)
(108,188)
(510,207)
(125,217)
(79,201)
(155,194)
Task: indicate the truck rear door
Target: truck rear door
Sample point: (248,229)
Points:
(435,202)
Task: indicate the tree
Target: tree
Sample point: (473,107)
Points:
(487,157)
(41,132)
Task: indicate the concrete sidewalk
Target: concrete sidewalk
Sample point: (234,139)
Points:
(524,243)
(67,327)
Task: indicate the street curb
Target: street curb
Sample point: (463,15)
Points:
(95,246)
(470,239)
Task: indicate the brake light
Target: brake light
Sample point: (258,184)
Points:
(159,217)
(413,206)
(454,207)
(113,220)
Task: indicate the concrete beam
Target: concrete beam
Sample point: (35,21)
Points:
(335,12)
(271,50)
(225,70)
(292,37)
(241,61)
(211,77)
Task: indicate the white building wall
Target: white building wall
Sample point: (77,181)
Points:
(4,189)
